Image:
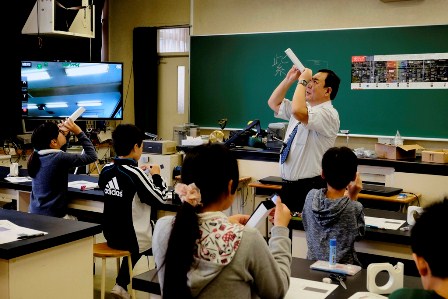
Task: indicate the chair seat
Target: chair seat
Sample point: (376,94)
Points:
(102,250)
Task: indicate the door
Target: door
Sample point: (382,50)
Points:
(168,113)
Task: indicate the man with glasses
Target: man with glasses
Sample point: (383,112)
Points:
(312,130)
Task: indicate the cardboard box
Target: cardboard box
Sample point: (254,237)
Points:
(435,156)
(394,152)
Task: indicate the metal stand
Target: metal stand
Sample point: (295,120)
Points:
(96,164)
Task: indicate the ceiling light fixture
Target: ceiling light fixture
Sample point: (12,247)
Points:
(35,76)
(89,103)
(56,105)
(87,69)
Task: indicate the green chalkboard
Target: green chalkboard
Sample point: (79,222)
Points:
(232,76)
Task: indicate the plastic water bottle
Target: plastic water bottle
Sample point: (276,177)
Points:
(332,258)
(398,140)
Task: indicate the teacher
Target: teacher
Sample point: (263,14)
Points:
(312,130)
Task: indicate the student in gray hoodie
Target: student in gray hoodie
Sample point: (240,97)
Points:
(334,212)
(202,253)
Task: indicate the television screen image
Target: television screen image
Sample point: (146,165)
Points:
(52,89)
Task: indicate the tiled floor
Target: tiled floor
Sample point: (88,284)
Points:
(143,265)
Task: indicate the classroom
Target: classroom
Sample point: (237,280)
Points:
(233,40)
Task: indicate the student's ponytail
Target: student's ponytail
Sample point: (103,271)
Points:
(180,253)
(41,139)
(33,164)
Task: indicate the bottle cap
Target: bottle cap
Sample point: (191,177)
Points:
(332,242)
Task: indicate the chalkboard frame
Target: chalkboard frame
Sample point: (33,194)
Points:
(232,76)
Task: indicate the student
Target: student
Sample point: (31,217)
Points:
(49,166)
(202,253)
(315,122)
(129,196)
(428,243)
(334,212)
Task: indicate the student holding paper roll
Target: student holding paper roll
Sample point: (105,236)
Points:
(49,165)
(312,129)
(130,197)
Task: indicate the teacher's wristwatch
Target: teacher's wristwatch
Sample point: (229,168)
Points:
(303,82)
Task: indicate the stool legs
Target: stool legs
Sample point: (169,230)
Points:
(118,264)
(103,278)
(101,250)
(130,276)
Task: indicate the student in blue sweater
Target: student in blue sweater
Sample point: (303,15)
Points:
(334,212)
(49,166)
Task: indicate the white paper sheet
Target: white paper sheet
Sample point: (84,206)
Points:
(383,223)
(78,184)
(10,231)
(18,179)
(310,289)
(366,295)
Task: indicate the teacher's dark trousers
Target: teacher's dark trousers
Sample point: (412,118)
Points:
(293,193)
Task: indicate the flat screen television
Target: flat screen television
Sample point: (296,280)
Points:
(55,89)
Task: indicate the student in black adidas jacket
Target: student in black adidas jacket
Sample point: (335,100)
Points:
(129,195)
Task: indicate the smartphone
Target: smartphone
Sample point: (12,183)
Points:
(274,198)
(261,212)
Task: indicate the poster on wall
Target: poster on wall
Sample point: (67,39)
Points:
(405,71)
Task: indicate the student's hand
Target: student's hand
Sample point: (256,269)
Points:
(307,75)
(239,219)
(354,187)
(145,168)
(69,125)
(63,129)
(154,169)
(282,214)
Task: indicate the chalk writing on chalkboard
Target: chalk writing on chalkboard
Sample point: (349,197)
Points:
(282,64)
(316,64)
(279,65)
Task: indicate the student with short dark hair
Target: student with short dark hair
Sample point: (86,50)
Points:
(49,166)
(428,243)
(129,196)
(202,253)
(334,212)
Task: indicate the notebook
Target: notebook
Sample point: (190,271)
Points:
(380,190)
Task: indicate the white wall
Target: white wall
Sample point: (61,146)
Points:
(237,16)
(124,16)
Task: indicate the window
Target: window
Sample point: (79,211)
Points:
(173,40)
(180,89)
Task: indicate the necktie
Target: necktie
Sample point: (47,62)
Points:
(285,151)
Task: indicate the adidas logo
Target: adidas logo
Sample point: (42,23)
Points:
(112,188)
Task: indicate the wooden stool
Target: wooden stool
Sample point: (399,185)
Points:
(101,250)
